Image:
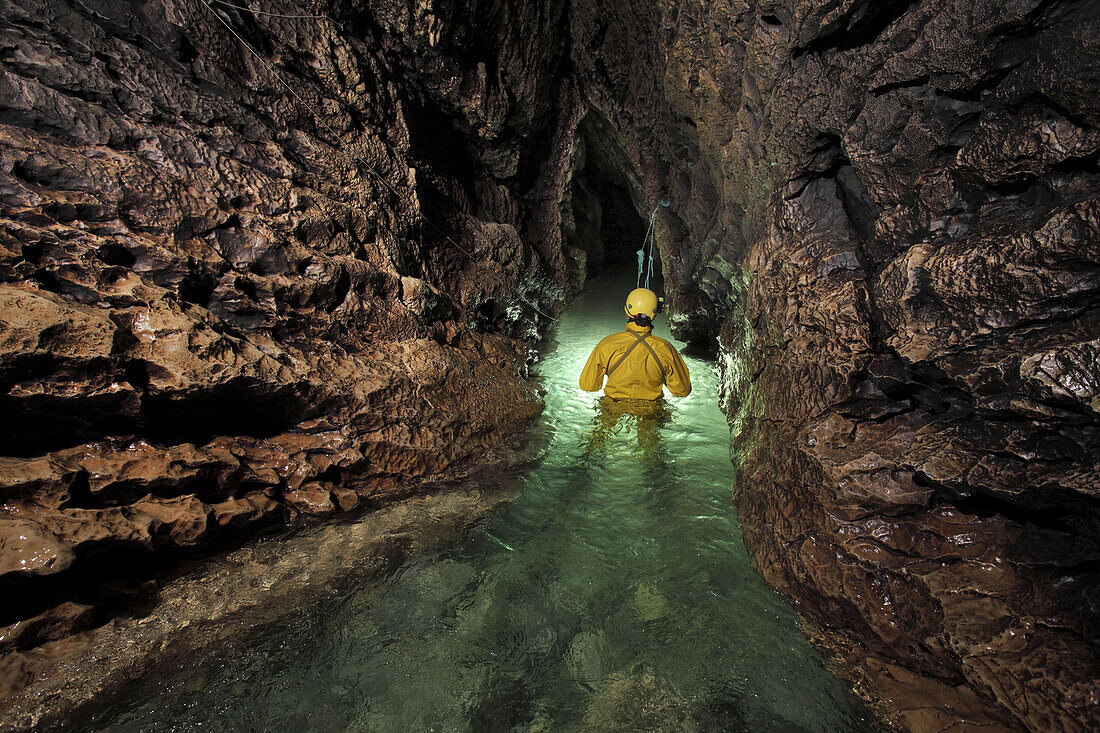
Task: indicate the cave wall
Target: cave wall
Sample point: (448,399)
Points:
(886,213)
(254,267)
(665,89)
(907,279)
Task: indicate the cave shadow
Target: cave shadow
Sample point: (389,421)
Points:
(609,212)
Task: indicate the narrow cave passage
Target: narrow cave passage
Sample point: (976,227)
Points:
(606,202)
(613,594)
(615,231)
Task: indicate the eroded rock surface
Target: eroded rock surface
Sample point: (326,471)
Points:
(910,369)
(216,609)
(232,288)
(888,211)
(224,299)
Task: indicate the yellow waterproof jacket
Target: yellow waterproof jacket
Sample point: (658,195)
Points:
(640,375)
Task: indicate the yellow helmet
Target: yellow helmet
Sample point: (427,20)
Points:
(642,302)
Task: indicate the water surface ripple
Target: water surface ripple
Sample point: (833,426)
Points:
(614,594)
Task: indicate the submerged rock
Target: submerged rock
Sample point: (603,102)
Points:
(649,604)
(214,609)
(638,701)
(585,658)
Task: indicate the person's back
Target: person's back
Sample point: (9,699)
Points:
(637,363)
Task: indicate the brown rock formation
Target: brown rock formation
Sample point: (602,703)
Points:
(890,212)
(221,303)
(897,205)
(222,299)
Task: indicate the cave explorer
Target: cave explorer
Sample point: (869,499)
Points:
(637,365)
(633,373)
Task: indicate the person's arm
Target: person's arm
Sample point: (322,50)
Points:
(678,380)
(592,374)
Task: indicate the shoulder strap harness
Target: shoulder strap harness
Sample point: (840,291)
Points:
(638,339)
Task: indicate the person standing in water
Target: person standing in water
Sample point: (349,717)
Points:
(637,363)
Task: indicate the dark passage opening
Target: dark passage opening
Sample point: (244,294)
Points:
(622,231)
(609,227)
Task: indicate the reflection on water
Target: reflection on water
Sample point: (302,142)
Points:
(613,594)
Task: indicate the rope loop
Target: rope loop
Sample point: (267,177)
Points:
(651,241)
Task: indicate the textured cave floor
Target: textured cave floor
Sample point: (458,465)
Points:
(613,594)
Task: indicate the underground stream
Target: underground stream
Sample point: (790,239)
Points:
(613,594)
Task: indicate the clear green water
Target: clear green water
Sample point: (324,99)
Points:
(613,594)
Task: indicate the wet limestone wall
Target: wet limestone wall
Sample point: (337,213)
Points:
(890,214)
(231,284)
